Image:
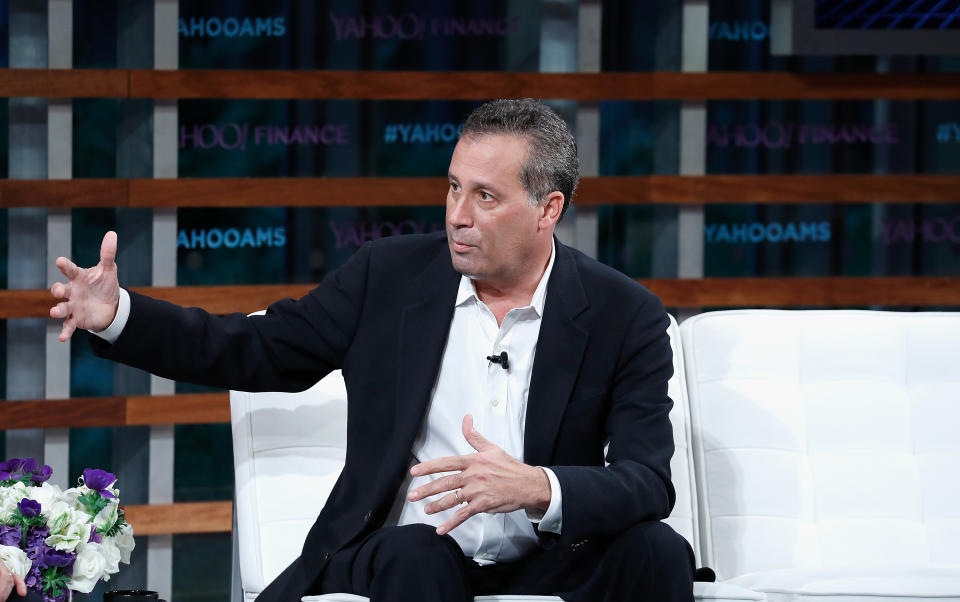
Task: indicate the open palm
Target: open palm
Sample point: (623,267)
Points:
(91,295)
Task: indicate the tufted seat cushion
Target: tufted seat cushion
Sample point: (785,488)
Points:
(826,451)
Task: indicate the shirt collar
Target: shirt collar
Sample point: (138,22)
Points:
(468,290)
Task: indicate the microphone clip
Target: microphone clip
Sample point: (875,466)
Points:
(500,359)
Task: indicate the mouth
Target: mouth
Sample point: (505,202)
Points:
(459,247)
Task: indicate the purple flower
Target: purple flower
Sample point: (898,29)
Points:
(28,507)
(33,577)
(51,557)
(9,536)
(36,537)
(99,480)
(42,475)
(12,465)
(94,536)
(29,465)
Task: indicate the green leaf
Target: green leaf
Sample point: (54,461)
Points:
(115,529)
(93,502)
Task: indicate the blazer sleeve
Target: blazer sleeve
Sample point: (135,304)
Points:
(635,485)
(290,348)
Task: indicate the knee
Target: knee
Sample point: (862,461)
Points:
(656,545)
(416,544)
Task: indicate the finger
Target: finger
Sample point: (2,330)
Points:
(67,331)
(445,503)
(67,267)
(21,586)
(60,310)
(449,483)
(448,464)
(108,249)
(473,437)
(456,520)
(60,290)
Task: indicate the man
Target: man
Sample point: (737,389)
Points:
(486,368)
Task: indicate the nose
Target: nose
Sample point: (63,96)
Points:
(458,211)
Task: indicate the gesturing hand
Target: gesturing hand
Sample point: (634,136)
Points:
(8,581)
(488,481)
(91,295)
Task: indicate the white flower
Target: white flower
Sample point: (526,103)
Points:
(111,553)
(47,495)
(106,518)
(15,560)
(87,568)
(9,498)
(72,531)
(125,543)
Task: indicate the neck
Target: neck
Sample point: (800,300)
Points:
(503,296)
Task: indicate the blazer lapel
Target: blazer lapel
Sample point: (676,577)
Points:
(560,349)
(424,326)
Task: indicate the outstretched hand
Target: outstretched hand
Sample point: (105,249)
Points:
(489,481)
(91,295)
(9,581)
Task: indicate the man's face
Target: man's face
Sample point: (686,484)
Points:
(492,229)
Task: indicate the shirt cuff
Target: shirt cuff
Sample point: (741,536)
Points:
(111,333)
(552,519)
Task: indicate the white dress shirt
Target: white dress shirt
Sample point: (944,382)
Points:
(470,384)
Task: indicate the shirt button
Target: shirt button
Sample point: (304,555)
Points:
(495,402)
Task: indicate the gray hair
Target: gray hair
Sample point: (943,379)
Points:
(551,162)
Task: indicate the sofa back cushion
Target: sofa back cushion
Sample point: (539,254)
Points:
(825,438)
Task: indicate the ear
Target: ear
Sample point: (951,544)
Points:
(551,209)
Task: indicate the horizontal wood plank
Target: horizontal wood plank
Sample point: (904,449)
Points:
(808,292)
(185,408)
(918,291)
(65,83)
(474,85)
(133,410)
(183,517)
(368,192)
(63,413)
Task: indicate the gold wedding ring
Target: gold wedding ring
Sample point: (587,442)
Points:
(459,499)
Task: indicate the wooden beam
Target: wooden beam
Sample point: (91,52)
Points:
(808,292)
(227,299)
(184,408)
(183,517)
(369,192)
(65,83)
(287,192)
(839,291)
(134,410)
(474,85)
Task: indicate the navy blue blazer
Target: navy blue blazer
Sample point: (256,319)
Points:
(600,374)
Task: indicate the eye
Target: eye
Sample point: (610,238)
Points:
(485,196)
(454,187)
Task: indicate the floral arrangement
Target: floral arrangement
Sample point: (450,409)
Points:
(61,540)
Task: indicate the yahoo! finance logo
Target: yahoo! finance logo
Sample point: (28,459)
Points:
(232,27)
(772,232)
(929,230)
(237,136)
(776,134)
(739,31)
(354,234)
(948,132)
(411,133)
(231,238)
(413,26)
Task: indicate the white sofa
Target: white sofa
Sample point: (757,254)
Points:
(826,451)
(288,452)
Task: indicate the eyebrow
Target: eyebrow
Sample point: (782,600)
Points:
(480,185)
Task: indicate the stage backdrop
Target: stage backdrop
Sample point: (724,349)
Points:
(366,138)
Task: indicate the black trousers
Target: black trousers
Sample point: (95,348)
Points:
(649,561)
